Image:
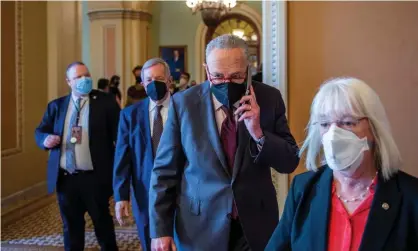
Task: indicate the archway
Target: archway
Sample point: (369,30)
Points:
(243,27)
(243,12)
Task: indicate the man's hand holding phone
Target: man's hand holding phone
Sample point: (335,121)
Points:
(249,112)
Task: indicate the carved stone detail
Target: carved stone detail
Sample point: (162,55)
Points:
(274,70)
(119,14)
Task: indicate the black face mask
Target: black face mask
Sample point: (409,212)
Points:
(156,90)
(228,93)
(138,79)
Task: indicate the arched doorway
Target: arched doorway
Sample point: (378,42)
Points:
(242,27)
(242,10)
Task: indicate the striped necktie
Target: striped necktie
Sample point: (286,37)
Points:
(70,147)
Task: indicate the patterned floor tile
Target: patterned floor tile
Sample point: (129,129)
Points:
(42,230)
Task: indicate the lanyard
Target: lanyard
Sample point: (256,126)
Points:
(78,110)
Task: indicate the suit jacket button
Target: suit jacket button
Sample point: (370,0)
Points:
(385,206)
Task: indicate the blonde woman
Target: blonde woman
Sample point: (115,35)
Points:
(358,199)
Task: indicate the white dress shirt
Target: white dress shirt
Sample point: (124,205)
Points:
(164,111)
(82,151)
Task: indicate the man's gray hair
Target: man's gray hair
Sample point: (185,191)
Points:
(154,61)
(227,41)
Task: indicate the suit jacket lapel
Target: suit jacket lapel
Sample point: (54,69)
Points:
(320,210)
(244,138)
(62,113)
(382,216)
(207,113)
(92,111)
(144,123)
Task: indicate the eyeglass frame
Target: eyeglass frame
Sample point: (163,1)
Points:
(224,80)
(341,123)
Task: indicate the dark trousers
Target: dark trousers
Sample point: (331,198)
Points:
(144,238)
(78,194)
(143,227)
(237,240)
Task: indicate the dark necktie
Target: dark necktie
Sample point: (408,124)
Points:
(157,128)
(229,144)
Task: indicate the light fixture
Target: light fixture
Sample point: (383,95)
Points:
(211,10)
(254,37)
(238,32)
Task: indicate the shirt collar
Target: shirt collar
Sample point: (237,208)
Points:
(218,104)
(165,104)
(82,97)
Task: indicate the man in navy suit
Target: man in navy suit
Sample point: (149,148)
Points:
(80,131)
(140,129)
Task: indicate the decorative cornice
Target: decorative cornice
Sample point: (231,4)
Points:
(119,14)
(19,82)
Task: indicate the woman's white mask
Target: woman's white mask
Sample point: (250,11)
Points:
(343,149)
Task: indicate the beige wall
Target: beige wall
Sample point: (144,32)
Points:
(374,41)
(26,168)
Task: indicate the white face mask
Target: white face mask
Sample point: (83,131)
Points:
(343,149)
(183,82)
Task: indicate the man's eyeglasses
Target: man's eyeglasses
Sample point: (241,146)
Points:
(238,77)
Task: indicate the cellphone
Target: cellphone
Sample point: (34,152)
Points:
(249,82)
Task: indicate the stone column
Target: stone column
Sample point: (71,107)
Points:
(63,41)
(118,39)
(275,69)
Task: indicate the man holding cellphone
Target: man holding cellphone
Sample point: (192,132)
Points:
(211,186)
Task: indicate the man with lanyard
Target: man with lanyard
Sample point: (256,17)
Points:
(80,131)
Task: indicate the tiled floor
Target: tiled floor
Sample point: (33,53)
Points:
(42,230)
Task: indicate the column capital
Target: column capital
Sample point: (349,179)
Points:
(136,10)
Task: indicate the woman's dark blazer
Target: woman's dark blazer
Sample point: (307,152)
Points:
(392,224)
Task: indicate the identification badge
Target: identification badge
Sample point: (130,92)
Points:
(76,135)
(177,69)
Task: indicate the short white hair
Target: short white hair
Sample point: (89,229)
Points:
(154,61)
(351,96)
(227,41)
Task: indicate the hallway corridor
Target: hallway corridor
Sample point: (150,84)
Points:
(42,230)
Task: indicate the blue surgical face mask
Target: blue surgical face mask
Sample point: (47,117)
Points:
(83,85)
